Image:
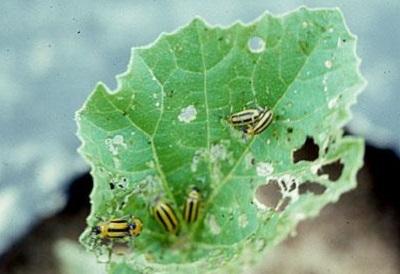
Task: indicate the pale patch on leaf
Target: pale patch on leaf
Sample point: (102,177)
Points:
(264,169)
(328,64)
(213,225)
(188,114)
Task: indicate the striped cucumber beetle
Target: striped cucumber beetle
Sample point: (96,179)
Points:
(165,215)
(245,117)
(118,228)
(192,206)
(107,234)
(262,123)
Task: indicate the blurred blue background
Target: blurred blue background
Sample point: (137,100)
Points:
(52,53)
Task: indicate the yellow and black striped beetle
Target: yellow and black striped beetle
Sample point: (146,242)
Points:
(165,215)
(252,121)
(192,206)
(245,117)
(262,123)
(118,228)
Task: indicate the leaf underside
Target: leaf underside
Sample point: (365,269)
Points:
(164,130)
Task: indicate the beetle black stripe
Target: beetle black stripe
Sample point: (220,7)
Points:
(247,120)
(190,215)
(263,122)
(170,218)
(161,220)
(116,236)
(118,229)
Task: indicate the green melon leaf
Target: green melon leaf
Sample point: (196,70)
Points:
(164,130)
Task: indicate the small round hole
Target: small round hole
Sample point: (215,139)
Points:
(256,44)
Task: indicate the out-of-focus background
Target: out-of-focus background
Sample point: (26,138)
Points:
(52,53)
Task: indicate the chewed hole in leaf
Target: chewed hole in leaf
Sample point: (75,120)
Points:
(311,187)
(121,205)
(307,152)
(256,44)
(333,170)
(215,228)
(287,184)
(269,194)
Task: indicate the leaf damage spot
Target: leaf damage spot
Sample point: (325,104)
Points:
(119,182)
(279,192)
(325,82)
(333,103)
(150,184)
(249,160)
(188,114)
(332,170)
(267,195)
(289,186)
(243,220)
(150,164)
(328,64)
(198,156)
(311,187)
(218,155)
(258,204)
(339,42)
(309,151)
(115,143)
(213,225)
(256,44)
(264,169)
(218,152)
(116,162)
(119,140)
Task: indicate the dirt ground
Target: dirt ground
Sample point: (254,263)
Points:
(358,234)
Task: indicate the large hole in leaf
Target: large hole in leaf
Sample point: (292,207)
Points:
(312,187)
(269,194)
(256,44)
(333,170)
(308,151)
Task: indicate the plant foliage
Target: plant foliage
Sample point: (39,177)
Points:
(164,130)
